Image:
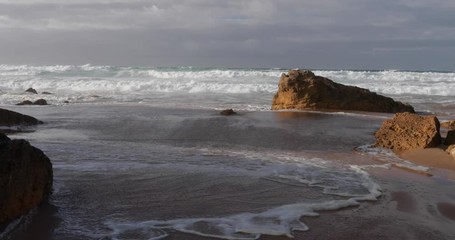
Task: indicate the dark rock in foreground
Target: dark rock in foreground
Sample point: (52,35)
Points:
(228,112)
(31,90)
(408,131)
(9,118)
(25,178)
(302,89)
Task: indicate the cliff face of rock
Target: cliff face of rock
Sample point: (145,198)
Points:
(302,89)
(25,178)
(406,131)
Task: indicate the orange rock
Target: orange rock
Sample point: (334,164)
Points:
(451,150)
(302,89)
(408,131)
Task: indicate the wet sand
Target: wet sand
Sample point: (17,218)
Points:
(412,207)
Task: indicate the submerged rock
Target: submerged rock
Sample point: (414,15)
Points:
(46,93)
(302,89)
(25,178)
(406,131)
(228,112)
(9,118)
(31,90)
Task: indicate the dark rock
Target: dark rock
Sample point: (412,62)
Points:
(9,118)
(26,102)
(450,138)
(66,101)
(228,112)
(25,178)
(40,102)
(31,90)
(408,131)
(46,93)
(302,89)
(37,102)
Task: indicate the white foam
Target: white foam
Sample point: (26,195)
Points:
(243,87)
(388,156)
(352,183)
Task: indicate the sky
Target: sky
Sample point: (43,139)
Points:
(315,34)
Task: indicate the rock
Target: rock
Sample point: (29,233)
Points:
(9,118)
(66,101)
(302,89)
(228,112)
(40,102)
(31,90)
(26,102)
(451,150)
(449,124)
(408,131)
(25,178)
(46,93)
(37,102)
(450,138)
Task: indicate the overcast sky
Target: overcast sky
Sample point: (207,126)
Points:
(354,34)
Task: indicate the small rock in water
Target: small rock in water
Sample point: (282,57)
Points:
(46,93)
(40,102)
(31,90)
(228,112)
(26,102)
(66,101)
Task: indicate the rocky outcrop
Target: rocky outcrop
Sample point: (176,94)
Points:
(25,178)
(302,89)
(408,131)
(449,124)
(228,112)
(9,118)
(450,138)
(37,102)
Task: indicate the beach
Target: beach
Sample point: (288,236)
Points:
(132,161)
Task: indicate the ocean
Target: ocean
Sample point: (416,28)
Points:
(142,152)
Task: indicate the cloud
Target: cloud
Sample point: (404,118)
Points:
(220,32)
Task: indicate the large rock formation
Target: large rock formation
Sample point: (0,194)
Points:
(25,178)
(10,118)
(302,89)
(408,131)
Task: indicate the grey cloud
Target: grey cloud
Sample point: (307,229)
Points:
(255,33)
